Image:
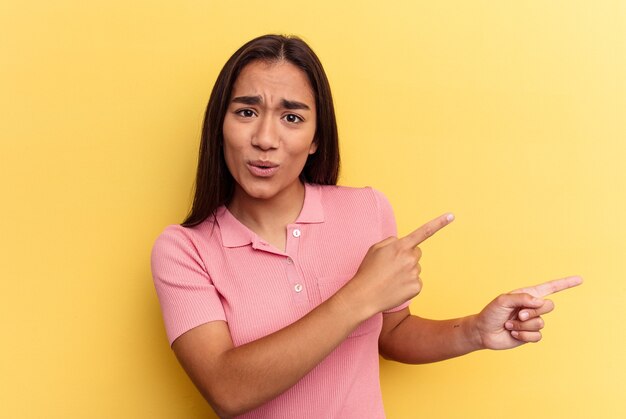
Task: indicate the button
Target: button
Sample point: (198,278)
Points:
(298,287)
(296,233)
(289,261)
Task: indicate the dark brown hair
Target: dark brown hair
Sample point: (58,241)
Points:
(214,183)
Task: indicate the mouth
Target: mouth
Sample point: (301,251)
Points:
(264,164)
(261,168)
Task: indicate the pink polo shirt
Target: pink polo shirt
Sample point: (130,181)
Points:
(224,271)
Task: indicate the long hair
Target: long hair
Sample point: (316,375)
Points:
(214,183)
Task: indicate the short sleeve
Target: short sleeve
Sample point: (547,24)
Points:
(387,223)
(186,293)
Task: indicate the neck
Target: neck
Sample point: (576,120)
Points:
(268,215)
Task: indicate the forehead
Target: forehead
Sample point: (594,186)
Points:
(274,80)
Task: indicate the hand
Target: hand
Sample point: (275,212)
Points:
(389,273)
(515,318)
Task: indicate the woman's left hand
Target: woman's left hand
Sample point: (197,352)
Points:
(513,319)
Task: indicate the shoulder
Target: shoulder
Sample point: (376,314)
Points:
(351,196)
(178,240)
(358,207)
(174,235)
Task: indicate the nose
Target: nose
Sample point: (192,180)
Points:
(266,135)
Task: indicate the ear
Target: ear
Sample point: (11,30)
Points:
(313,147)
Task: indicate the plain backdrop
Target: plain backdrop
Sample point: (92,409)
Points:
(511,114)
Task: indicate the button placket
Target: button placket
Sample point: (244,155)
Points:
(297,284)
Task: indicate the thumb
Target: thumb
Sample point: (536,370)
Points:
(519,300)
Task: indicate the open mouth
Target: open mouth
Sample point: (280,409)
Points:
(263,164)
(262,168)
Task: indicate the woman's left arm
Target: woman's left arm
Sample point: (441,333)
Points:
(510,320)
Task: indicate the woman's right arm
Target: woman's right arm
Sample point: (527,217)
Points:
(237,379)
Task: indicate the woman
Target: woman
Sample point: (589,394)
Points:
(281,289)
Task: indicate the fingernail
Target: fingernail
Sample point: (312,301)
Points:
(508,325)
(450,217)
(537,300)
(524,315)
(515,333)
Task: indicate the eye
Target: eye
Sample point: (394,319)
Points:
(293,118)
(246,113)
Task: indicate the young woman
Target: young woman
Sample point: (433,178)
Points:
(280,289)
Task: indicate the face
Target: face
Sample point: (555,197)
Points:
(269,130)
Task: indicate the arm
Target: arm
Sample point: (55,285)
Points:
(508,321)
(415,340)
(237,379)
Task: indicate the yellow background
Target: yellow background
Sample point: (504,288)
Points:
(511,114)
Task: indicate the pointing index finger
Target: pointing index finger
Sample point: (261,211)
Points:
(550,287)
(418,236)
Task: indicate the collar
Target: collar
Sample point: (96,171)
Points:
(235,234)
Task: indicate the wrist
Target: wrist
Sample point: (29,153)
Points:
(472,332)
(352,302)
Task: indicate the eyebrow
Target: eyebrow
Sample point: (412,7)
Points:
(292,104)
(257,100)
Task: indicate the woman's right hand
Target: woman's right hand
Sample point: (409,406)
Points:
(389,273)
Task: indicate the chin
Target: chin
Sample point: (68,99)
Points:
(260,191)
